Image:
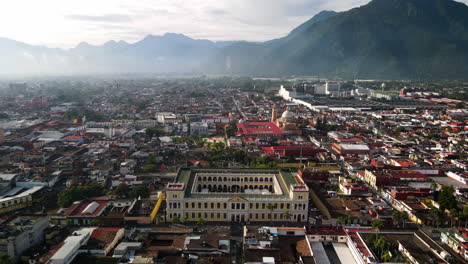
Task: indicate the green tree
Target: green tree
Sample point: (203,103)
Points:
(404,217)
(141,191)
(200,143)
(370,240)
(230,130)
(150,168)
(398,259)
(340,220)
(287,215)
(453,216)
(151,158)
(271,207)
(396,217)
(200,221)
(154,132)
(377,225)
(122,190)
(175,219)
(436,215)
(178,140)
(159,218)
(446,198)
(381,244)
(76,193)
(465,214)
(349,219)
(386,257)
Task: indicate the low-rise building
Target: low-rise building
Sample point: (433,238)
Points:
(457,239)
(237,195)
(21,233)
(71,246)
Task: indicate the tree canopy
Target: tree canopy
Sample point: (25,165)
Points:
(76,193)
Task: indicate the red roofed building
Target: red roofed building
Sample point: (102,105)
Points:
(408,175)
(259,129)
(291,151)
(85,211)
(402,193)
(314,175)
(103,240)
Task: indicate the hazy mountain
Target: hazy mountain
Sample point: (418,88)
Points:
(303,27)
(383,39)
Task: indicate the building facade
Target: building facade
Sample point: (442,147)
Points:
(237,195)
(22,233)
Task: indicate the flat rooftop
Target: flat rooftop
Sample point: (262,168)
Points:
(285,179)
(449,182)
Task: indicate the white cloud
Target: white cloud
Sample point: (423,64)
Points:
(58,23)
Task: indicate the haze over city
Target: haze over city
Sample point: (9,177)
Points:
(64,24)
(234,132)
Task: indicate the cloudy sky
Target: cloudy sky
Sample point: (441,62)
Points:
(65,23)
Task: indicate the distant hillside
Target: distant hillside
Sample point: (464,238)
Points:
(385,38)
(404,39)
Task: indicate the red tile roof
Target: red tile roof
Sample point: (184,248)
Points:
(259,128)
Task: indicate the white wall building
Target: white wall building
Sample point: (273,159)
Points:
(71,246)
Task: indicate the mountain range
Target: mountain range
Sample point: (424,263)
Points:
(400,39)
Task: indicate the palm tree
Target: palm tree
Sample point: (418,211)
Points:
(381,244)
(175,219)
(436,215)
(159,218)
(271,207)
(287,215)
(386,256)
(349,219)
(200,221)
(465,214)
(404,217)
(396,217)
(184,219)
(377,225)
(340,220)
(453,214)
